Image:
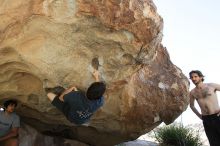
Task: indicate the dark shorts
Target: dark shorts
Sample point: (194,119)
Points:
(63,107)
(212,128)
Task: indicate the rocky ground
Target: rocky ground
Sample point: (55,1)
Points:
(30,137)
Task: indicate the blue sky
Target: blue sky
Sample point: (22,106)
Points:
(191,36)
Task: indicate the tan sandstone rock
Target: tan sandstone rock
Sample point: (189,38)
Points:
(56,40)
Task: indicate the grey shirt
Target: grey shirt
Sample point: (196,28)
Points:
(8,122)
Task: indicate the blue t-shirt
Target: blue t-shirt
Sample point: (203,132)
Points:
(7,122)
(80,107)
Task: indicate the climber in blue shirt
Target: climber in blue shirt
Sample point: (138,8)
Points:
(77,106)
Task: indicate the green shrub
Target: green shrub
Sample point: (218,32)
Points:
(177,135)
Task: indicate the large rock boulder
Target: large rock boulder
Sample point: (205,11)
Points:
(57,40)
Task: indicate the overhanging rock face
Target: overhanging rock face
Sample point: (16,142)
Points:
(57,40)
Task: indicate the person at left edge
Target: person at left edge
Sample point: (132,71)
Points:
(9,124)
